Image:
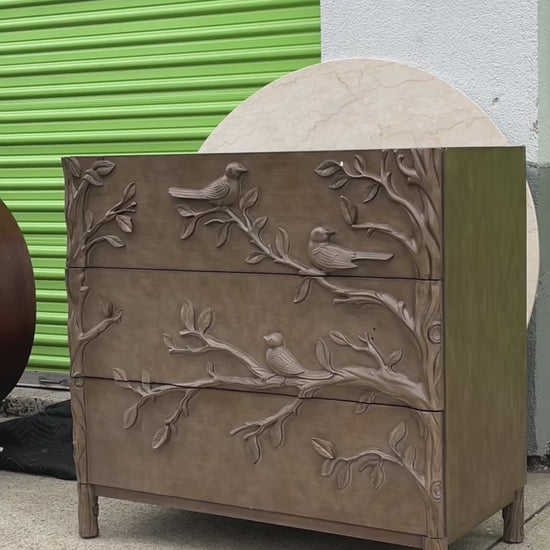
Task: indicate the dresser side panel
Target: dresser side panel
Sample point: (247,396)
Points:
(485,336)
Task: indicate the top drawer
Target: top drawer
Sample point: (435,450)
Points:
(347,213)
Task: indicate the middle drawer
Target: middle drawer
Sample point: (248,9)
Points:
(365,340)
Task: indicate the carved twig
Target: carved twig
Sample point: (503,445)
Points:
(80,230)
(399,454)
(279,253)
(423,244)
(409,242)
(381,379)
(373,459)
(274,424)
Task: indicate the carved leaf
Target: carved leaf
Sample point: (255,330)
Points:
(205,320)
(348,210)
(407,317)
(377,476)
(344,477)
(259,224)
(409,457)
(113,240)
(255,257)
(74,166)
(168,341)
(125,223)
(161,437)
(397,435)
(339,338)
(92,179)
(249,199)
(89,219)
(105,306)
(328,467)
(359,163)
(188,315)
(276,434)
(119,375)
(338,183)
(129,191)
(282,242)
(223,234)
(185,211)
(323,354)
(368,462)
(303,290)
(130,417)
(365,402)
(189,229)
(253,449)
(371,192)
(103,167)
(323,447)
(327,168)
(395,357)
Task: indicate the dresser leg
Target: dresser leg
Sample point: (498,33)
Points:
(435,544)
(513,519)
(88,511)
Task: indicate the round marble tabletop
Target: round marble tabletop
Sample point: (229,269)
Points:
(364,104)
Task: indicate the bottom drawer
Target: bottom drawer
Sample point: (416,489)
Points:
(316,458)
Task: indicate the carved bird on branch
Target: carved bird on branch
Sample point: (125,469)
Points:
(223,191)
(330,256)
(282,362)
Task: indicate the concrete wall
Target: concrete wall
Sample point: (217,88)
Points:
(490,51)
(542,319)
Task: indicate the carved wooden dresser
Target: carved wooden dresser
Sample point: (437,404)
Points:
(327,340)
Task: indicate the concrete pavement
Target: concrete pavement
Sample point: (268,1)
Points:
(40,513)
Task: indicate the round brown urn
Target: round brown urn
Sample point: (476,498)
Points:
(17,302)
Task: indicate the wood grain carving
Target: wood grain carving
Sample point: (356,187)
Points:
(82,237)
(374,462)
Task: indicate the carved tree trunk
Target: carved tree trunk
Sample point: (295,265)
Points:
(435,544)
(88,511)
(513,516)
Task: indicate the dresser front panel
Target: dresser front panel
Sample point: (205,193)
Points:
(309,458)
(382,202)
(240,331)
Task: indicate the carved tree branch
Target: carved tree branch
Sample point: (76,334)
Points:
(422,213)
(274,424)
(429,482)
(409,242)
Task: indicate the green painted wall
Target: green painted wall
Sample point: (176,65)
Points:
(119,77)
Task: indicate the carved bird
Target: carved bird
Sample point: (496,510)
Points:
(223,191)
(282,362)
(330,256)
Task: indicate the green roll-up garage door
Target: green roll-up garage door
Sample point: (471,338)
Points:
(122,77)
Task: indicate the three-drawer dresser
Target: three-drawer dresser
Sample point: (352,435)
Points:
(328,340)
